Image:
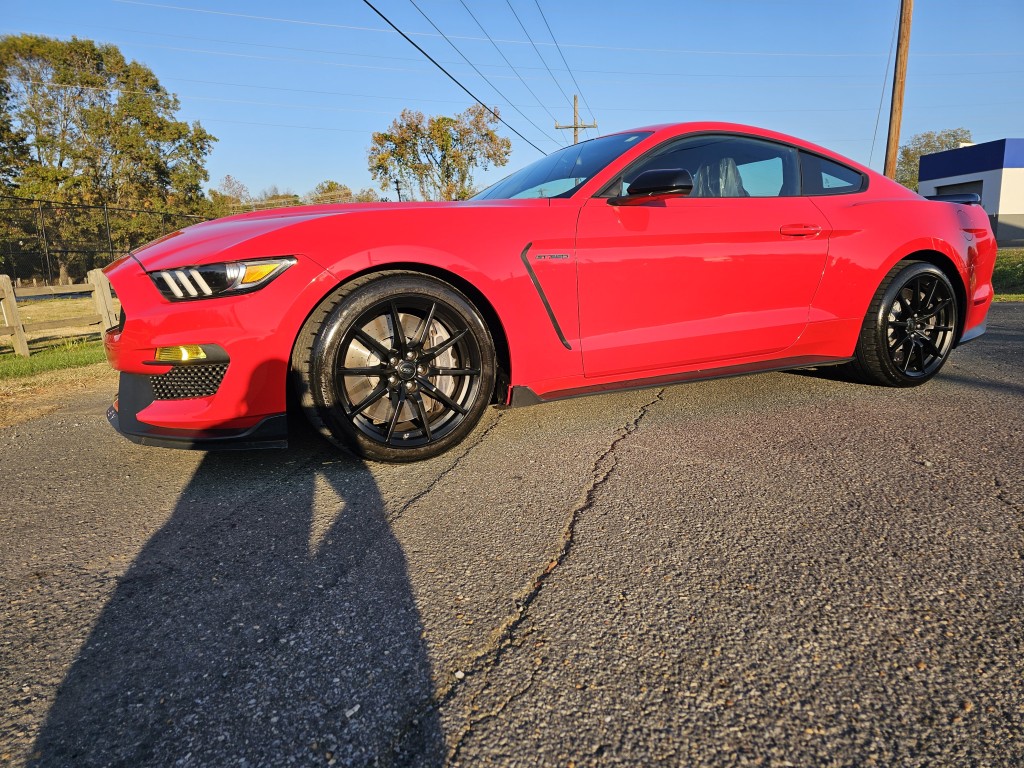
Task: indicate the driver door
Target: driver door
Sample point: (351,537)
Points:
(674,283)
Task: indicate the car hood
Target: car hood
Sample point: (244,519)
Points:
(267,233)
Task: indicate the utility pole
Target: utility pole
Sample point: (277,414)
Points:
(899,82)
(576,124)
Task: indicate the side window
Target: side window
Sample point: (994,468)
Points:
(726,166)
(825,177)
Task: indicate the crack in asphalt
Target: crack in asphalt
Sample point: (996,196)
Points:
(453,752)
(503,636)
(437,480)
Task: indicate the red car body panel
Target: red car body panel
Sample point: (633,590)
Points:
(655,267)
(617,295)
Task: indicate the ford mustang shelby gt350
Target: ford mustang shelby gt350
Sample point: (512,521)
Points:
(642,258)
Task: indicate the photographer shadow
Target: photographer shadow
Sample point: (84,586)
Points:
(269,621)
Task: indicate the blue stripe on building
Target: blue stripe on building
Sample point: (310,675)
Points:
(989,156)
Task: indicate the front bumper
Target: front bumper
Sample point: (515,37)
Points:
(135,393)
(235,396)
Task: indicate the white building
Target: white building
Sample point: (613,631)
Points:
(994,171)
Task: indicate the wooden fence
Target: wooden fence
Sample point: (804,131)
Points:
(98,286)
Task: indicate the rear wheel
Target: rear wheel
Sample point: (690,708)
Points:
(910,327)
(396,366)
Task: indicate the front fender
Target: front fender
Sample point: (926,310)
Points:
(482,247)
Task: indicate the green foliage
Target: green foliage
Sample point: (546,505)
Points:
(925,144)
(92,128)
(229,197)
(329,191)
(70,354)
(366,195)
(272,197)
(437,155)
(13,147)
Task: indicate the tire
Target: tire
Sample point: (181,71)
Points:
(909,329)
(394,397)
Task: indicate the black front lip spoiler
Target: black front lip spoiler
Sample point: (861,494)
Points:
(135,393)
(271,432)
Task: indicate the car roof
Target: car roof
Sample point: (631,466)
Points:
(662,131)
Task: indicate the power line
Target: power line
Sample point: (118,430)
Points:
(694,110)
(559,49)
(742,76)
(537,51)
(312,91)
(258,87)
(545,67)
(633,49)
(249,44)
(215,99)
(254,17)
(481,74)
(885,82)
(661,73)
(257,57)
(639,73)
(282,125)
(452,77)
(500,53)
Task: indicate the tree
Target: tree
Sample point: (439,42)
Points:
(907,164)
(366,196)
(229,196)
(233,189)
(437,155)
(13,149)
(272,197)
(329,191)
(99,130)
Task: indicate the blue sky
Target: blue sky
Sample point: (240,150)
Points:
(293,91)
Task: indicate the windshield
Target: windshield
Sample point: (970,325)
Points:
(563,172)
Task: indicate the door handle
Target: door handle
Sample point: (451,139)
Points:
(800,230)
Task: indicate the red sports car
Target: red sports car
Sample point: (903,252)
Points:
(647,257)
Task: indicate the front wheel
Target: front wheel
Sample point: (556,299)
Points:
(910,327)
(395,366)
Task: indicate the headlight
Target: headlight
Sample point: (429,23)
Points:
(211,280)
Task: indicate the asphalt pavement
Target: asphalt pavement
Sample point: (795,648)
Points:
(783,569)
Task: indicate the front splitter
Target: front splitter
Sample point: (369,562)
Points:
(135,393)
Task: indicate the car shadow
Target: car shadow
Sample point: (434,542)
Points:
(269,621)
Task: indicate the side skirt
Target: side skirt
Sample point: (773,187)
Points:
(524,396)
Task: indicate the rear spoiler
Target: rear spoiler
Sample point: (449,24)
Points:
(967,198)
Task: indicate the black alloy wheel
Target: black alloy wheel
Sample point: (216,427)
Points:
(910,328)
(400,367)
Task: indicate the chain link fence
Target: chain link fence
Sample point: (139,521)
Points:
(43,242)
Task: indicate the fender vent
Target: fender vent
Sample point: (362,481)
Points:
(186,381)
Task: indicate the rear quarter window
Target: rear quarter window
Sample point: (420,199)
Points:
(821,176)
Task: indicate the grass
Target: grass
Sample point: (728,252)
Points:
(54,341)
(70,354)
(44,310)
(1008,278)
(30,397)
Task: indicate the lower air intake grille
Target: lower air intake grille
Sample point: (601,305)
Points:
(185,381)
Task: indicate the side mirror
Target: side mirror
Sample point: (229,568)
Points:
(656,184)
